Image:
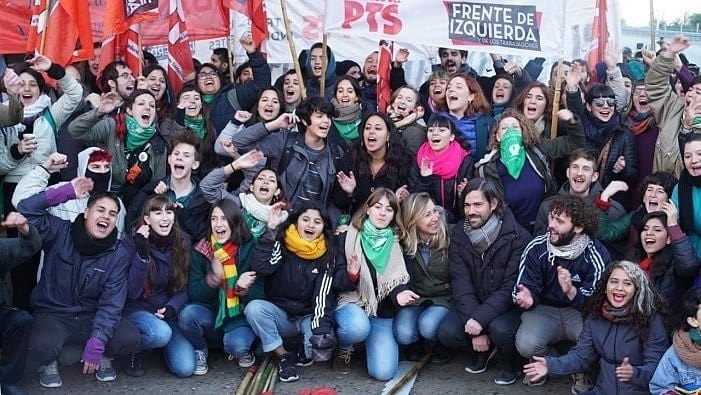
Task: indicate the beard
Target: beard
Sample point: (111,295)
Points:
(563,238)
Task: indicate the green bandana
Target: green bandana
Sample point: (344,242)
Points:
(207,99)
(349,131)
(138,136)
(695,336)
(513,154)
(196,125)
(256,227)
(377,244)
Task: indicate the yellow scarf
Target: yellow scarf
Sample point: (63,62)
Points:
(304,249)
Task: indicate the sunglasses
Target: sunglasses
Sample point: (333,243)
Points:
(600,101)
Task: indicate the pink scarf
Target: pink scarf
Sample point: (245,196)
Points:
(445,164)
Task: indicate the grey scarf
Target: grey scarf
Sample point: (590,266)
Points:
(482,237)
(569,251)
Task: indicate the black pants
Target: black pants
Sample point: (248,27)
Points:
(50,332)
(14,332)
(501,331)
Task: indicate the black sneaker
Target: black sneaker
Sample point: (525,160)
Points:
(479,364)
(134,367)
(302,360)
(286,371)
(506,377)
(441,355)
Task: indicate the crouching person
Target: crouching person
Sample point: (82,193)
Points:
(159,253)
(298,266)
(83,285)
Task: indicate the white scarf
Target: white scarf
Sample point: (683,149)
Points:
(569,251)
(43,101)
(257,209)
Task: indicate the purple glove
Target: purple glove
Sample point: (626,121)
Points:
(94,348)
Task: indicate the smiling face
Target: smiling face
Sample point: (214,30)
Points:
(156,83)
(620,288)
(502,91)
(208,80)
(182,161)
(581,175)
(125,83)
(29,91)
(345,94)
(428,224)
(404,102)
(439,137)
(220,226)
(268,105)
(143,110)
(602,108)
(375,135)
(692,158)
(310,225)
(640,100)
(381,213)
(161,220)
(318,126)
(291,90)
(561,228)
(101,218)
(370,67)
(535,103)
(653,197)
(451,60)
(315,62)
(264,187)
(478,209)
(437,89)
(458,96)
(193,101)
(654,236)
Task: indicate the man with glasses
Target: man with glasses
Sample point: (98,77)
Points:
(117,77)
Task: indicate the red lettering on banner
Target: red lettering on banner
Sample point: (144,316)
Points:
(310,31)
(377,13)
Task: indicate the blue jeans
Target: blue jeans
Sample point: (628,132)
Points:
(156,333)
(197,321)
(544,326)
(271,324)
(413,322)
(381,348)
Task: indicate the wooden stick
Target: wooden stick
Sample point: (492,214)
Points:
(268,380)
(556,100)
(140,49)
(230,61)
(273,381)
(46,27)
(293,51)
(652,27)
(324,60)
(254,382)
(411,373)
(241,390)
(260,383)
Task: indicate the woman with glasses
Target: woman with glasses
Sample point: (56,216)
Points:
(618,154)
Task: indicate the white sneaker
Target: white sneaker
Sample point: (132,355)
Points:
(201,367)
(246,360)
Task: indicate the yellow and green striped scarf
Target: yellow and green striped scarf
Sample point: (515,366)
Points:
(229,305)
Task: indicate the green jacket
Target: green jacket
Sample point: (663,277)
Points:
(432,281)
(199,292)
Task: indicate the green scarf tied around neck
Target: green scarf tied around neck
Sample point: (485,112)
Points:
(513,153)
(377,244)
(196,125)
(207,99)
(137,135)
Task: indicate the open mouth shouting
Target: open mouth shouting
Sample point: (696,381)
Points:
(27,99)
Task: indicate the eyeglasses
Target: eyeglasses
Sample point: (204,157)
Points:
(600,101)
(638,91)
(204,75)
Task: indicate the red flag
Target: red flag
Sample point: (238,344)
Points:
(255,11)
(599,37)
(179,56)
(69,37)
(384,65)
(132,52)
(136,12)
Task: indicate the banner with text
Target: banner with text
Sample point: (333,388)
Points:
(525,27)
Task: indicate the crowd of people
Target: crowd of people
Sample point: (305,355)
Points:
(467,217)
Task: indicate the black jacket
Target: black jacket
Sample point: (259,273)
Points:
(482,283)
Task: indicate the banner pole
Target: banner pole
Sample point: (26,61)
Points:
(293,51)
(46,27)
(230,61)
(324,64)
(652,27)
(141,50)
(556,99)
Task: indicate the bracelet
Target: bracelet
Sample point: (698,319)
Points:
(45,169)
(232,166)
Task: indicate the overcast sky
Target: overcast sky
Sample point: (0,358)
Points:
(637,12)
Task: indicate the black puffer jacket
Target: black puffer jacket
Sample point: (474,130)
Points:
(482,283)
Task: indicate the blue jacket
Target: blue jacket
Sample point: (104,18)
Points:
(72,283)
(483,126)
(538,273)
(160,296)
(610,343)
(672,372)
